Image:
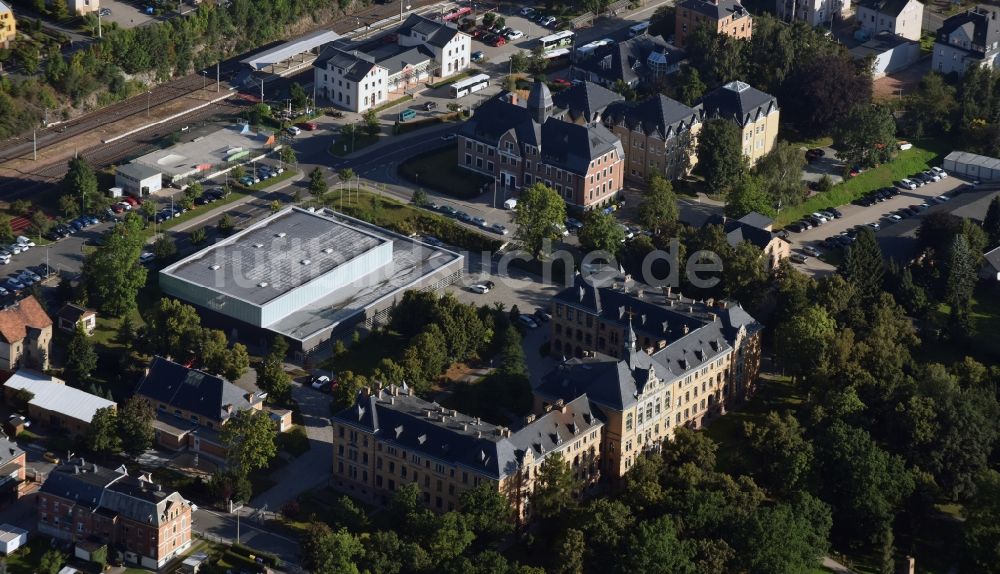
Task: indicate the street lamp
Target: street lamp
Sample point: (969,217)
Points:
(204,75)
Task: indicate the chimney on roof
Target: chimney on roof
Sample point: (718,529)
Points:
(686,329)
(529,419)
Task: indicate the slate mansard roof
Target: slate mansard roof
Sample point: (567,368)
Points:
(716,10)
(658,115)
(396,417)
(586,99)
(563,144)
(738,101)
(111,491)
(685,335)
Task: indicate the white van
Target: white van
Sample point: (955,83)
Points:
(638,29)
(510,204)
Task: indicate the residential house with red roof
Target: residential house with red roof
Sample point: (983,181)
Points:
(25,335)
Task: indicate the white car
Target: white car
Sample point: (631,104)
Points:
(25,241)
(15,248)
(907,184)
(547,21)
(515,34)
(146,257)
(820,217)
(479,288)
(320,382)
(527,11)
(940,172)
(293,130)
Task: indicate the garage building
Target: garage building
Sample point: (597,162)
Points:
(972,166)
(137,179)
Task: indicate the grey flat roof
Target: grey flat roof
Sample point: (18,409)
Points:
(290,48)
(275,256)
(137,170)
(411,262)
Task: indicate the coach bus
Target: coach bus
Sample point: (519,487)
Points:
(469,85)
(558,40)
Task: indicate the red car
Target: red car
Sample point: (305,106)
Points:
(561,83)
(309,126)
(131,201)
(499,41)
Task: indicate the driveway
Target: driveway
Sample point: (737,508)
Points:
(312,469)
(826,165)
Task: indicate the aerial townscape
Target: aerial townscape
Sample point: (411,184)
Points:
(508,287)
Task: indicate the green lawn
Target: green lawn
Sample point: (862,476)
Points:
(363,356)
(773,394)
(345,145)
(439,171)
(906,163)
(984,345)
(452,79)
(26,558)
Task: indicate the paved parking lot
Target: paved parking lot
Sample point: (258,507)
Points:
(513,288)
(856,215)
(125,14)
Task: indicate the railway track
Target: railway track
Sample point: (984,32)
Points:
(42,180)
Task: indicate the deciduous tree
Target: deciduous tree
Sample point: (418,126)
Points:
(601,231)
(135,422)
(102,436)
(866,137)
(112,273)
(538,212)
(720,155)
(555,489)
(81,358)
(249,437)
(749,195)
(658,210)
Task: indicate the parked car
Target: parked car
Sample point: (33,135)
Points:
(320,383)
(24,241)
(528,321)
(448,210)
(875,226)
(293,130)
(527,11)
(433,241)
(815,154)
(14,285)
(514,34)
(479,288)
(51,458)
(463,216)
(146,257)
(430,106)
(480,221)
(478,56)
(498,41)
(820,217)
(561,83)
(499,229)
(542,315)
(906,184)
(309,126)
(547,21)
(798,258)
(836,212)
(917,179)
(939,172)
(942,198)
(931,175)
(811,250)
(794,227)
